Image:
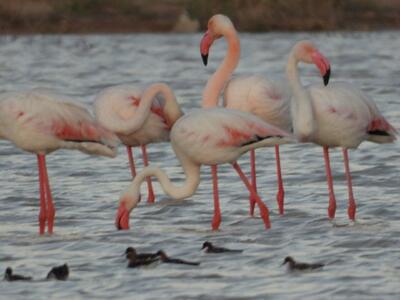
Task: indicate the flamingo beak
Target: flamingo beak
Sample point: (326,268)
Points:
(205,45)
(323,65)
(122,217)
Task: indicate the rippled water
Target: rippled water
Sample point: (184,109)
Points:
(362,258)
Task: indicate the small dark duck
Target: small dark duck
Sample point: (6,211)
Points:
(139,255)
(59,272)
(9,276)
(169,260)
(135,261)
(210,248)
(293,265)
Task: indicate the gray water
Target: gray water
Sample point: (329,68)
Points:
(362,258)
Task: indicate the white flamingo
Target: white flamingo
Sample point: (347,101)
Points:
(206,136)
(338,115)
(41,122)
(117,109)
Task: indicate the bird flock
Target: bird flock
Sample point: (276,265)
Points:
(255,112)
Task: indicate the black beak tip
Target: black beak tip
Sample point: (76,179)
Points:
(205,59)
(327,76)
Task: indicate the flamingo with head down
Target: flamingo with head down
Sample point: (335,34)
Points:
(338,115)
(41,122)
(255,94)
(117,109)
(206,136)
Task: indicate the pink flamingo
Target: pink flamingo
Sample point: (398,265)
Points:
(207,136)
(337,115)
(268,100)
(117,109)
(41,122)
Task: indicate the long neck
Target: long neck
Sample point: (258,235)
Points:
(192,180)
(217,81)
(172,112)
(301,104)
(171,109)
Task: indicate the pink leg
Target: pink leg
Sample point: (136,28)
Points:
(49,200)
(42,213)
(281,192)
(253,180)
(151,197)
(351,210)
(216,221)
(131,161)
(332,200)
(263,208)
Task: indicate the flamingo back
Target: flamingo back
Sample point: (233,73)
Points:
(220,135)
(41,121)
(255,94)
(345,116)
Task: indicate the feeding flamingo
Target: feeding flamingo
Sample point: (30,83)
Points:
(266,99)
(41,122)
(206,136)
(117,109)
(338,115)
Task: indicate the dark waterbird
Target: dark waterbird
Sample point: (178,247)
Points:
(166,259)
(139,255)
(135,261)
(293,265)
(59,272)
(9,276)
(210,248)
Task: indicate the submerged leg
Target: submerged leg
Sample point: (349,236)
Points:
(263,208)
(131,161)
(253,180)
(216,221)
(151,197)
(42,212)
(351,210)
(332,200)
(281,192)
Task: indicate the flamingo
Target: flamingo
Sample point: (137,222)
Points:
(255,94)
(39,121)
(206,136)
(117,109)
(338,115)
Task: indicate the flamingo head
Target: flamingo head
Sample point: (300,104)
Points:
(218,26)
(126,205)
(306,52)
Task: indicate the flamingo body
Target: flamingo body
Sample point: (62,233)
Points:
(224,135)
(345,117)
(39,121)
(266,99)
(123,100)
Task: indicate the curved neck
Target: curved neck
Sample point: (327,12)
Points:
(302,111)
(171,110)
(217,81)
(192,180)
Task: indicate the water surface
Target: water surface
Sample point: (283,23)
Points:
(362,257)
